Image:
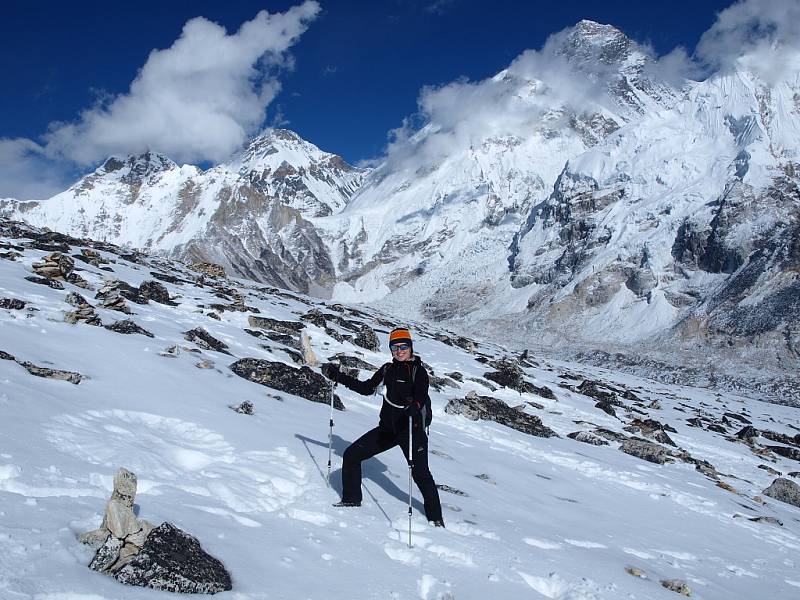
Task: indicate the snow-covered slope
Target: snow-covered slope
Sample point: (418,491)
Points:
(526,516)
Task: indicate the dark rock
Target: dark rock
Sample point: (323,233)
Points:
(107,554)
(587,438)
(214,315)
(286,327)
(6,356)
(677,586)
(451,490)
(205,340)
(316,317)
(455,375)
(293,341)
(245,408)
(781,438)
(739,418)
(56,285)
(12,304)
(510,375)
(353,362)
(592,389)
(606,407)
(795,474)
(76,300)
(695,422)
(301,382)
(70,376)
(645,450)
(153,290)
(128,327)
(770,470)
(167,277)
(792,453)
(476,407)
(785,491)
(717,428)
(173,561)
(653,429)
(746,433)
(366,338)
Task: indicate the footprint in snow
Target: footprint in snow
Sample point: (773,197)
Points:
(174,453)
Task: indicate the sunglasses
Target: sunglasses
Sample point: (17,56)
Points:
(399,347)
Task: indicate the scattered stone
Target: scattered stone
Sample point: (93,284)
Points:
(727,487)
(607,408)
(455,375)
(737,417)
(153,290)
(291,328)
(476,408)
(781,438)
(301,382)
(451,490)
(636,572)
(316,317)
(171,352)
(610,435)
(747,433)
(785,491)
(173,561)
(759,519)
(56,285)
(655,405)
(245,408)
(587,438)
(792,453)
(694,422)
(770,470)
(128,327)
(486,478)
(366,338)
(677,586)
(205,364)
(645,450)
(214,315)
(12,304)
(592,389)
(205,340)
(207,268)
(70,376)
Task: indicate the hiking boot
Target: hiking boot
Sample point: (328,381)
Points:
(343,504)
(437,523)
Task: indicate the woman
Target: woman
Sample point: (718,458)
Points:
(405,395)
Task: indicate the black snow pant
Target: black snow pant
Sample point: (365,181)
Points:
(379,440)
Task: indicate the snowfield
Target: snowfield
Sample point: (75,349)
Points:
(527,517)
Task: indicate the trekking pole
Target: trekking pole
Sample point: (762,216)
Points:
(330,435)
(410,467)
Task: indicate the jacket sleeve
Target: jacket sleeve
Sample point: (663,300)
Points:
(365,388)
(421,382)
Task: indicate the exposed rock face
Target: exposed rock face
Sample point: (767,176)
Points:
(645,450)
(587,438)
(285,327)
(301,382)
(128,327)
(366,338)
(153,290)
(47,373)
(205,340)
(485,408)
(12,304)
(173,561)
(785,491)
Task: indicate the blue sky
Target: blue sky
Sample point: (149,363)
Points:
(351,74)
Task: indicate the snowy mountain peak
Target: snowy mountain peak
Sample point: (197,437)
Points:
(137,167)
(593,42)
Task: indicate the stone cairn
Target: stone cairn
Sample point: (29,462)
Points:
(83,310)
(59,266)
(111,298)
(135,553)
(121,533)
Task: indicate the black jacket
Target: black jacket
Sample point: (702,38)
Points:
(406,382)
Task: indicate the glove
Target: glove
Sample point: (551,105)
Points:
(331,371)
(413,410)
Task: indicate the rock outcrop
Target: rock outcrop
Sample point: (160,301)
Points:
(485,408)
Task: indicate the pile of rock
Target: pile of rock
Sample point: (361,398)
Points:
(134,552)
(110,297)
(58,265)
(207,268)
(84,311)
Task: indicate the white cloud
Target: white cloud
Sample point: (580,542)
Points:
(195,101)
(27,174)
(760,35)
